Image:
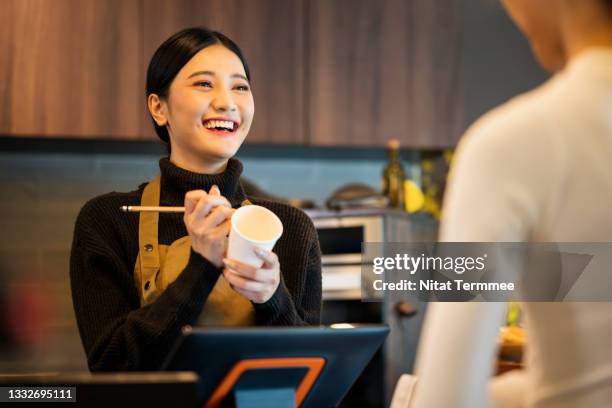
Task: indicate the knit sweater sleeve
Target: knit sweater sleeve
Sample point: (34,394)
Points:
(118,334)
(297,307)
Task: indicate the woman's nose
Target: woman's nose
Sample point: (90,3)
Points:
(223,101)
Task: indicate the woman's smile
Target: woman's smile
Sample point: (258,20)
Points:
(221,126)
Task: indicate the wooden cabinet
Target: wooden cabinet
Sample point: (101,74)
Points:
(270,33)
(324,72)
(71,68)
(384,69)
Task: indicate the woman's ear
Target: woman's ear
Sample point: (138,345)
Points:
(157,108)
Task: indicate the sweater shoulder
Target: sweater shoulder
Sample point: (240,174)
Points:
(530,119)
(103,213)
(110,203)
(521,129)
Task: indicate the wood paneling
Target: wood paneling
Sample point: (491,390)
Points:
(71,68)
(385,69)
(270,33)
(324,72)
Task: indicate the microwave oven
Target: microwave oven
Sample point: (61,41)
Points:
(340,238)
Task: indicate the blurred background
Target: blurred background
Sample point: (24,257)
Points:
(334,81)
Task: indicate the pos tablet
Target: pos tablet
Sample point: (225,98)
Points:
(275,366)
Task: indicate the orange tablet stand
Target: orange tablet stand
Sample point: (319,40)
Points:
(314,365)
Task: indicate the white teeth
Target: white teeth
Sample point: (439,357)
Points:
(229,125)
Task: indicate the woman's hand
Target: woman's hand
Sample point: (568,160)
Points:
(257,285)
(207,218)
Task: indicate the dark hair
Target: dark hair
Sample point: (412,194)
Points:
(174,53)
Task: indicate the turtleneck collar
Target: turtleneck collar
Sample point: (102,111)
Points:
(176,182)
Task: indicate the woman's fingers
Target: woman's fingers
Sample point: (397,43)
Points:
(204,206)
(223,229)
(256,284)
(195,197)
(250,272)
(214,190)
(214,219)
(239,282)
(192,198)
(270,259)
(207,221)
(249,294)
(240,268)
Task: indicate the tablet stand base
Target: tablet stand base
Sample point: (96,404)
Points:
(282,382)
(268,387)
(274,397)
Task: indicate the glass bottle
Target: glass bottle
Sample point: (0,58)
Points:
(394,176)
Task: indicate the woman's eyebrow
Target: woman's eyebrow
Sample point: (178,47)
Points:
(211,73)
(240,76)
(201,73)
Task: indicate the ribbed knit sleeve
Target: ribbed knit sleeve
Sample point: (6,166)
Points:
(117,334)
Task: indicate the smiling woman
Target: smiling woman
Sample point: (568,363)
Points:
(137,280)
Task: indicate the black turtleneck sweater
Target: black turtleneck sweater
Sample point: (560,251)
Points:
(118,334)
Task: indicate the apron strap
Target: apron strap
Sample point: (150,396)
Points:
(147,241)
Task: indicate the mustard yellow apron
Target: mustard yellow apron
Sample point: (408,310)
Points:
(157,266)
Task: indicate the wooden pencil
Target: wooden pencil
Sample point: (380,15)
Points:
(140,208)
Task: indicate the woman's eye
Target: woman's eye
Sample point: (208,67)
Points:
(205,84)
(243,88)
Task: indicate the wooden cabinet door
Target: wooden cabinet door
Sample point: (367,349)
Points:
(71,68)
(384,69)
(269,32)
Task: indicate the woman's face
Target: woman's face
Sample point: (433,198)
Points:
(209,109)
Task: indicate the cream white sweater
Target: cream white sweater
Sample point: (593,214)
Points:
(538,168)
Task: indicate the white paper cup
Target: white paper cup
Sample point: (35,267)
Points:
(252,226)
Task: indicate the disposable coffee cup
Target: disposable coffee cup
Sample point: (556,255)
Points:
(253,227)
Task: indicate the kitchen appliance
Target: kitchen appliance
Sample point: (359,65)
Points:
(341,235)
